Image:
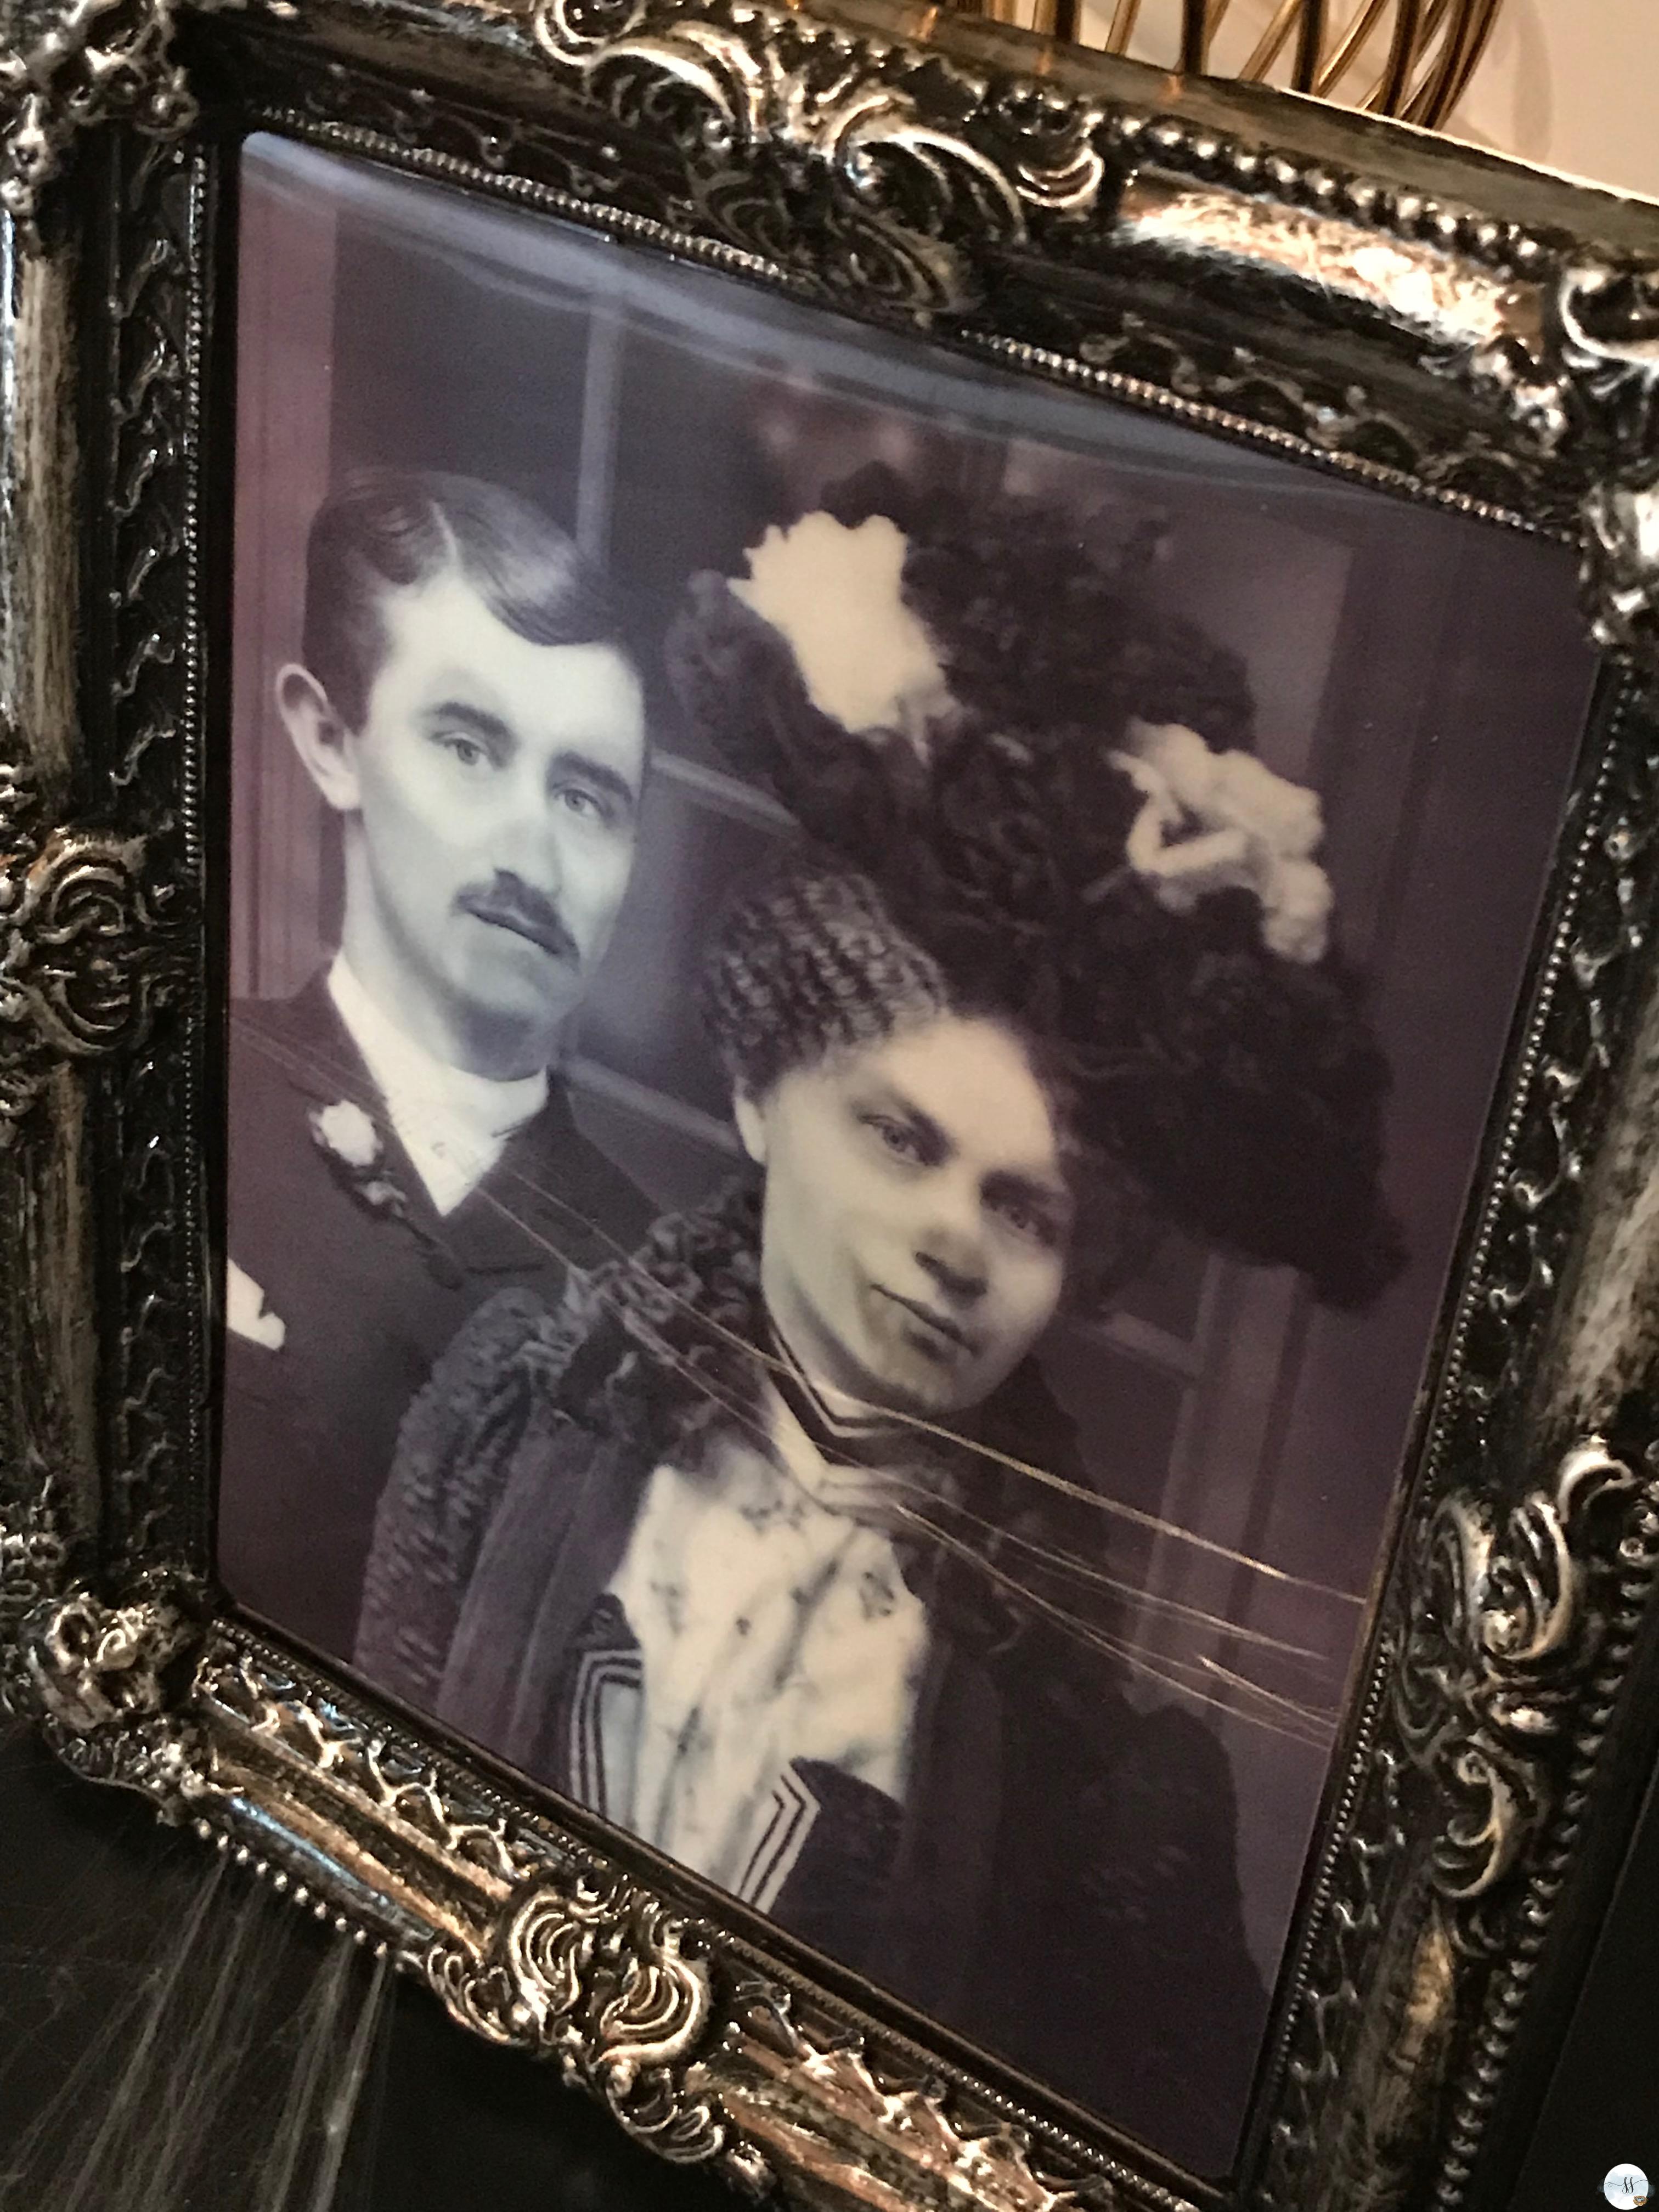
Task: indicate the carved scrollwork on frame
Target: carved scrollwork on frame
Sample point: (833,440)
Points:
(1621,564)
(597,1975)
(87,1666)
(1510,1628)
(1586,384)
(860,2110)
(1609,324)
(1502,1631)
(532,1942)
(69,66)
(780,121)
(896,180)
(150,747)
(87,944)
(563,1958)
(1609,321)
(36,1551)
(105,1683)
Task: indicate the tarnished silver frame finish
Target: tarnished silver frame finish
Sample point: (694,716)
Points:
(1440,325)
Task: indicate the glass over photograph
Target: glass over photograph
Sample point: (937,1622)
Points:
(865,995)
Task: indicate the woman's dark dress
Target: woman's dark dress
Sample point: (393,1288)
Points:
(1059,1885)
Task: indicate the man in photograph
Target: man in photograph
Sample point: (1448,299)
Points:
(400,1145)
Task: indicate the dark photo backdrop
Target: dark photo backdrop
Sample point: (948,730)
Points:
(1426,675)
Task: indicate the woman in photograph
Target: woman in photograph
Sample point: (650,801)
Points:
(773,1546)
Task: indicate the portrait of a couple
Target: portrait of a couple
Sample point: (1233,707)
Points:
(758,1533)
(763,1513)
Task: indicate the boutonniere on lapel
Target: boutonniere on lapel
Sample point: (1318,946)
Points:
(354,1148)
(350,1140)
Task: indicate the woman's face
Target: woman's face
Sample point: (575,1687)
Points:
(916,1216)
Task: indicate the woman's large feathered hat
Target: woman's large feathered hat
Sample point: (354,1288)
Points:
(1023,792)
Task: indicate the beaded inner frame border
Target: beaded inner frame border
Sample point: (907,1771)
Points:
(1437,323)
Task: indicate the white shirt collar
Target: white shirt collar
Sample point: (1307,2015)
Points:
(452,1124)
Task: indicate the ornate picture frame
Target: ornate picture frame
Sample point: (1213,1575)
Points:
(1428,323)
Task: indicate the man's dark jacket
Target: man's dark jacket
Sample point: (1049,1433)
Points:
(1061,1886)
(369,1284)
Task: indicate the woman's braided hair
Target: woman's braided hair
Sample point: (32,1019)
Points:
(1229,1091)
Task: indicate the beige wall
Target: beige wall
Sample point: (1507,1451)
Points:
(1573,83)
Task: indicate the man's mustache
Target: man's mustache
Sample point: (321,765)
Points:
(511,903)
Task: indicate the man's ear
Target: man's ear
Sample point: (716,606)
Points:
(751,1127)
(318,735)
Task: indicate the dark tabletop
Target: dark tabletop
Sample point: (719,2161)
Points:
(96,1902)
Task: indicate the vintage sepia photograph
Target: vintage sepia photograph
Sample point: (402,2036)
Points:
(864,999)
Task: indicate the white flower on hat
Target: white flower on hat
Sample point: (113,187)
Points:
(1218,822)
(834,593)
(347,1131)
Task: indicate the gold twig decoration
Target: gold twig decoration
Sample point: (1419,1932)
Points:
(1409,58)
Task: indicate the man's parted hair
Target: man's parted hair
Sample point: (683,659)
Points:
(383,530)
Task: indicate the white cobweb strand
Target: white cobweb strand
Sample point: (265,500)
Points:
(197,2062)
(314,2126)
